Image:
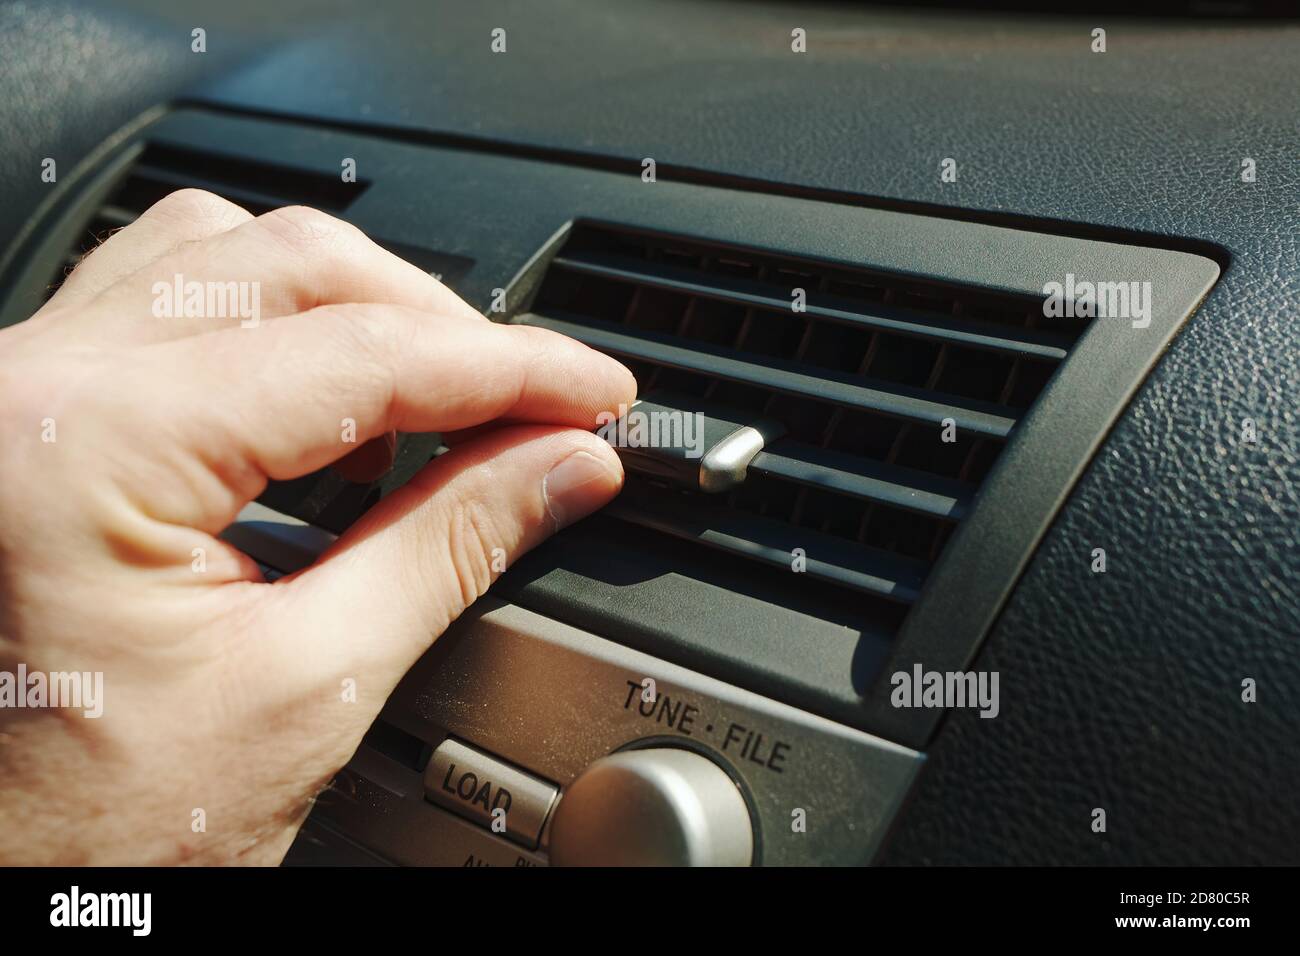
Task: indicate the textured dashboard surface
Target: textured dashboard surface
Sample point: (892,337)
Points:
(1120,690)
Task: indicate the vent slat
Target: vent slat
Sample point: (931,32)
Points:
(829,559)
(988,421)
(865,479)
(267,184)
(113,217)
(1028,343)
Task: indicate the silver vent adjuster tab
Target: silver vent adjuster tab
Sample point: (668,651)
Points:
(688,442)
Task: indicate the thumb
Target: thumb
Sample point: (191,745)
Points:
(414,562)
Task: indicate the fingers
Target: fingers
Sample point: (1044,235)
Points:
(187,215)
(422,555)
(310,388)
(287,261)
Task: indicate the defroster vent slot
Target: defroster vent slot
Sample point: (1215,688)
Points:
(162,169)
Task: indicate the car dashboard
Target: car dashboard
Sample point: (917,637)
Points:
(843,250)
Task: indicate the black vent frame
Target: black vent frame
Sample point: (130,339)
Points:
(987,513)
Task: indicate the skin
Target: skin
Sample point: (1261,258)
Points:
(224,693)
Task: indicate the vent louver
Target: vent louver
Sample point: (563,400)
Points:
(864,380)
(257,186)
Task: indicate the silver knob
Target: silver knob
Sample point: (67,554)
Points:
(654,807)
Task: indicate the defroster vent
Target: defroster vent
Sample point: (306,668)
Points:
(162,169)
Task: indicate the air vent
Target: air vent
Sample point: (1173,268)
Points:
(866,378)
(257,186)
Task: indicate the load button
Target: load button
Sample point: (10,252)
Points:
(489,792)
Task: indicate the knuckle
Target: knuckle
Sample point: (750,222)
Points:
(310,232)
(370,342)
(366,327)
(471,539)
(372,336)
(544,347)
(185,206)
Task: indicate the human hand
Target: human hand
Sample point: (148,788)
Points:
(132,440)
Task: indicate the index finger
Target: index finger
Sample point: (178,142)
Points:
(314,386)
